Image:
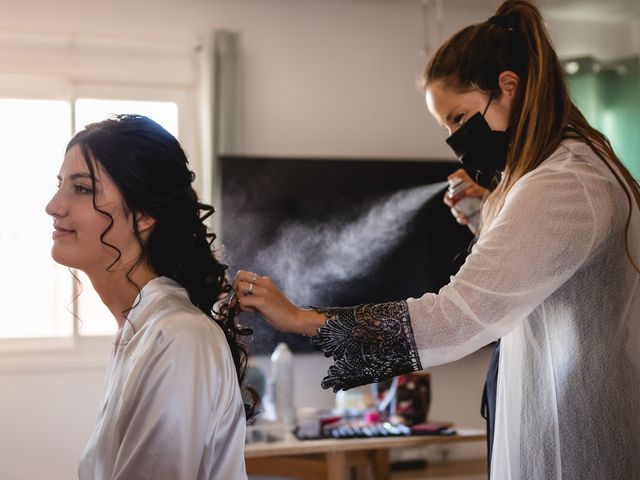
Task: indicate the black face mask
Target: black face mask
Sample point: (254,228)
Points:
(481,149)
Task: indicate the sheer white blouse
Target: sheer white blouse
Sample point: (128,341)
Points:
(551,277)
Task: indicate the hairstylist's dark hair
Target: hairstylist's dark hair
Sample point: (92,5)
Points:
(150,169)
(543,114)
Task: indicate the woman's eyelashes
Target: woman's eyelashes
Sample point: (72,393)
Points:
(78,188)
(83,190)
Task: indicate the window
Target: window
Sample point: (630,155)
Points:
(37,294)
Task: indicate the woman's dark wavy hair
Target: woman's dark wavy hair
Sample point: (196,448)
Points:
(150,169)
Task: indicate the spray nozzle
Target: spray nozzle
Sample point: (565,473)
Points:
(456,186)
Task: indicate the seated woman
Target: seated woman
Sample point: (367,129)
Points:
(125,213)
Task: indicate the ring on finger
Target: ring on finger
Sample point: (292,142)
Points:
(254,278)
(250,292)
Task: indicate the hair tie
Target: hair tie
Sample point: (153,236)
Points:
(509,21)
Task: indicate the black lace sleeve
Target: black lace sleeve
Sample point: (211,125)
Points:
(369,343)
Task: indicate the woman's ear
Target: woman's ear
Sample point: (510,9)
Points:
(144,222)
(508,82)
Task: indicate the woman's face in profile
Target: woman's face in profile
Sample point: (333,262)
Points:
(78,225)
(452,108)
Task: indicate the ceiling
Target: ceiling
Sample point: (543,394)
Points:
(608,10)
(574,9)
(594,9)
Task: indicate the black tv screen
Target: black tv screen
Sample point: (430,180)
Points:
(338,232)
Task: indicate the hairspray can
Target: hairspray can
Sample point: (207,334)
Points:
(468,206)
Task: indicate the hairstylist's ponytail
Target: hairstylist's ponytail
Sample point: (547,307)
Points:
(543,114)
(548,115)
(541,110)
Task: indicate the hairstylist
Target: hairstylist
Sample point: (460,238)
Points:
(554,273)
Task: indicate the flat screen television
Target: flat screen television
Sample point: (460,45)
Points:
(338,232)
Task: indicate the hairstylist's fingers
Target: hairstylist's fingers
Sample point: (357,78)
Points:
(248,288)
(267,283)
(245,306)
(461,173)
(253,299)
(244,276)
(234,284)
(460,217)
(244,299)
(448,201)
(473,190)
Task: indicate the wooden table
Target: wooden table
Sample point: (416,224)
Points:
(334,459)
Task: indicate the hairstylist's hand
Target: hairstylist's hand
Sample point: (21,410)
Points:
(261,295)
(473,191)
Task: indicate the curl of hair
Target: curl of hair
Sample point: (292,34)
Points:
(150,169)
(473,59)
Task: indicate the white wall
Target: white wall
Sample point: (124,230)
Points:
(603,40)
(47,416)
(319,78)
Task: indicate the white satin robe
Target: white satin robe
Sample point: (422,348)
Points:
(172,408)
